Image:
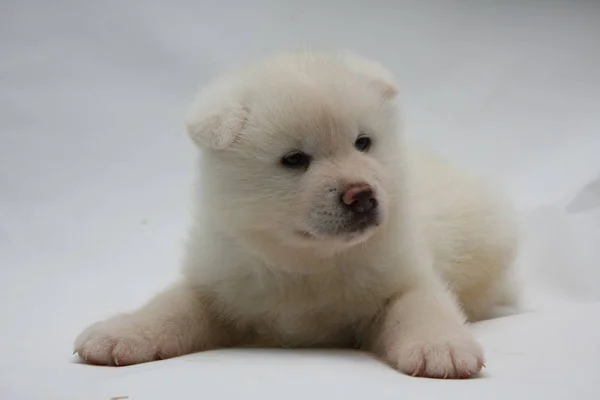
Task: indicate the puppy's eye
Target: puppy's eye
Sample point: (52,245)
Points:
(295,160)
(363,143)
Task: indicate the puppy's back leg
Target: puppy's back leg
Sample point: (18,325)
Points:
(494,299)
(177,321)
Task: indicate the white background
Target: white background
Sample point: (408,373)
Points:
(95,174)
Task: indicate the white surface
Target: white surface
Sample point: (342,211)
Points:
(95,171)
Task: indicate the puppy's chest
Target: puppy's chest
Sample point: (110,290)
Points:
(300,310)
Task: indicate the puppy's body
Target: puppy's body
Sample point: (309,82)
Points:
(282,254)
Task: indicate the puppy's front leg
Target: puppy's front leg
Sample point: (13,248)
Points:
(423,334)
(173,323)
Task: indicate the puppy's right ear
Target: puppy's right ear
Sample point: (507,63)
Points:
(215,125)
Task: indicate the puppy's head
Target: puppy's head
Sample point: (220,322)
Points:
(299,149)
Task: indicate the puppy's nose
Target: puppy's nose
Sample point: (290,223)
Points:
(359,198)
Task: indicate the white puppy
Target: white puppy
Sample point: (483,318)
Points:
(316,226)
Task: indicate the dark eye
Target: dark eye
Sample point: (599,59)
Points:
(295,160)
(363,143)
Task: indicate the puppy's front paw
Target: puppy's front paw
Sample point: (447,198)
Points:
(445,353)
(122,340)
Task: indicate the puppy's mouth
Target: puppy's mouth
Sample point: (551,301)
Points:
(304,234)
(350,232)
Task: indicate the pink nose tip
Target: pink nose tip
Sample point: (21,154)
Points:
(359,198)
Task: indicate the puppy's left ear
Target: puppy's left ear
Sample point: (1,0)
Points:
(380,77)
(217,124)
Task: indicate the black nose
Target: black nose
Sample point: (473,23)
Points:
(360,199)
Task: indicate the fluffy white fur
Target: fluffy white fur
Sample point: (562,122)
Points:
(269,262)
